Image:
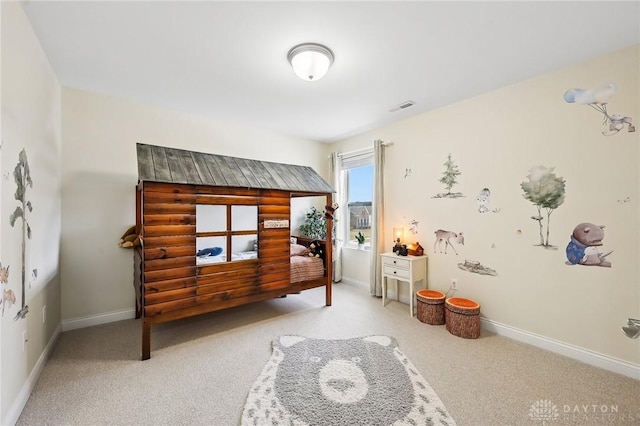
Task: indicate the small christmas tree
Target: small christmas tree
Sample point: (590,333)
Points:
(449,179)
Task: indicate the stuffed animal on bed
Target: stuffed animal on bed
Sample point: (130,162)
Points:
(130,238)
(330,210)
(316,250)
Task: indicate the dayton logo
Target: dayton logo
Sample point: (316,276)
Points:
(544,411)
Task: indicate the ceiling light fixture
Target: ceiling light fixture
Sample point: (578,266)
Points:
(310,61)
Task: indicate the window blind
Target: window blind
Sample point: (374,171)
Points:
(363,158)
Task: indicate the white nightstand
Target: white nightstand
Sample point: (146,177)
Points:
(403,268)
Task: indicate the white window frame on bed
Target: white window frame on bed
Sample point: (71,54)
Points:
(227,226)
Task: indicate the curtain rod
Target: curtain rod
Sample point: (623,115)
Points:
(361,151)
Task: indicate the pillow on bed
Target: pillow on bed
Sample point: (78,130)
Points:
(299,250)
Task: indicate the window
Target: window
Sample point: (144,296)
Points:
(223,229)
(358,187)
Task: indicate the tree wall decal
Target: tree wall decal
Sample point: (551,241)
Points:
(449,179)
(22,176)
(546,191)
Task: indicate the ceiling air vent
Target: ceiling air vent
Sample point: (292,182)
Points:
(403,105)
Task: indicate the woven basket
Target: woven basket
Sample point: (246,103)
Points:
(462,317)
(430,306)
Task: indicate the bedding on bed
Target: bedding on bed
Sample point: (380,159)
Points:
(206,260)
(304,268)
(299,250)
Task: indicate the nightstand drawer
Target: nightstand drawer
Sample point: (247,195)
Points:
(396,262)
(396,272)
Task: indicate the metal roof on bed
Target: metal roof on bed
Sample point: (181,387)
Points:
(171,165)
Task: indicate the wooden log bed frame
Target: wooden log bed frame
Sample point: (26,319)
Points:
(174,188)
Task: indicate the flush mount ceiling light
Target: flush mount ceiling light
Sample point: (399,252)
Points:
(310,61)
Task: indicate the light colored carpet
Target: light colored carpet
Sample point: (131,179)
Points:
(201,369)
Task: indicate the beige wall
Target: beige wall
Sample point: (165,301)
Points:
(99,174)
(495,139)
(30,121)
(355,267)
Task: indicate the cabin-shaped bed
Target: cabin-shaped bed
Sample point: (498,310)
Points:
(215,233)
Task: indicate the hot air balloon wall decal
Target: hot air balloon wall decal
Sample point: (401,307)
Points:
(598,99)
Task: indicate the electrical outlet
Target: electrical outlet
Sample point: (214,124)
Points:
(44,314)
(25,339)
(454,283)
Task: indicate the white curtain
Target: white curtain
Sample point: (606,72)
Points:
(377,220)
(338,183)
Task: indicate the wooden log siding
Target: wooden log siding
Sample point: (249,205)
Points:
(169,283)
(169,265)
(170,274)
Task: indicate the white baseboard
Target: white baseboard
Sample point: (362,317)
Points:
(348,280)
(88,321)
(25,392)
(575,352)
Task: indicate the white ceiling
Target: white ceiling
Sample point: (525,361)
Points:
(227,60)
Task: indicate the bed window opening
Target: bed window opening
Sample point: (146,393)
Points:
(226,233)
